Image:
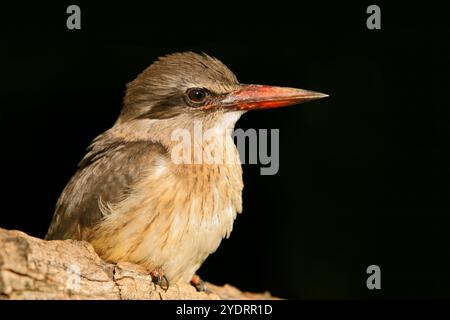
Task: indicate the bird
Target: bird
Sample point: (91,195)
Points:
(133,202)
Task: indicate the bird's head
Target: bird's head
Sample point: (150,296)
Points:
(182,87)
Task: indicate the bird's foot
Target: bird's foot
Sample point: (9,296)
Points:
(159,279)
(199,284)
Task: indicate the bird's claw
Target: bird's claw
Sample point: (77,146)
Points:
(199,284)
(159,279)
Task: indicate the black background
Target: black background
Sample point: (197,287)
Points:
(364,174)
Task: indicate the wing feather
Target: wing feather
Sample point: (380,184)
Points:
(104,177)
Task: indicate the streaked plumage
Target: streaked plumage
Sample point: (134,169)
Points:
(130,201)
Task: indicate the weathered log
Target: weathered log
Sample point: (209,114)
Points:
(32,268)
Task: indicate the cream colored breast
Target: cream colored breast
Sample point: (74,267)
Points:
(172,219)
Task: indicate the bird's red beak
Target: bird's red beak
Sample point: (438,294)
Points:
(253,97)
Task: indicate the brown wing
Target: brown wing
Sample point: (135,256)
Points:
(105,173)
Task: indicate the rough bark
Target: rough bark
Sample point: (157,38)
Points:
(32,268)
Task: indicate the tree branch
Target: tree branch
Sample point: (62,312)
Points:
(32,268)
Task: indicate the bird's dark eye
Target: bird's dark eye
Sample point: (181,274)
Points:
(196,95)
